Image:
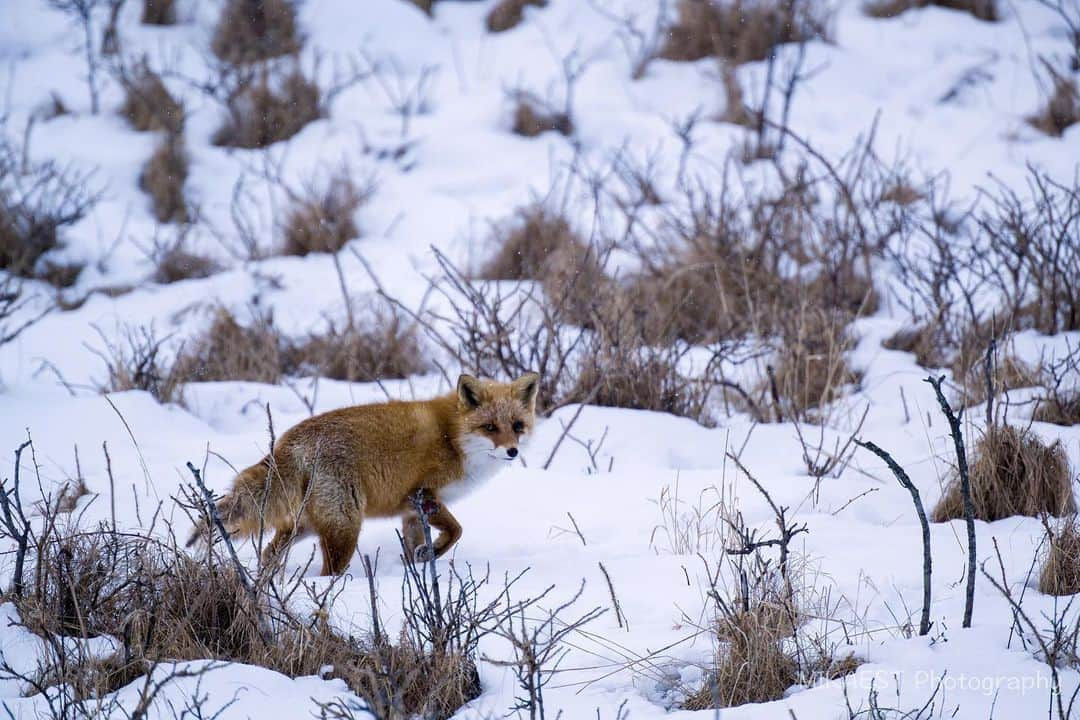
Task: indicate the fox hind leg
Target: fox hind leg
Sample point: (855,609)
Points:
(336,512)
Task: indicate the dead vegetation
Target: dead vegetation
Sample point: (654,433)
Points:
(251,30)
(381,346)
(1062,109)
(1013,472)
(1060,574)
(38,201)
(159,12)
(322,221)
(740,31)
(533,116)
(148,104)
(981,9)
(269,108)
(507,14)
(163,605)
(163,178)
(174,262)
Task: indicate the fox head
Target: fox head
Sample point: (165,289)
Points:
(496,417)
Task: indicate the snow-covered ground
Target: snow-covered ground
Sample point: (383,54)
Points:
(462,169)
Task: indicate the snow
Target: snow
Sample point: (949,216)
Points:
(460,170)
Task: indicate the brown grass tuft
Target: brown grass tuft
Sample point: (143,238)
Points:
(1062,109)
(269,111)
(159,12)
(1009,373)
(981,9)
(1060,574)
(227,350)
(533,117)
(507,14)
(639,378)
(1059,409)
(923,341)
(811,370)
(163,178)
(538,243)
(386,347)
(323,221)
(1013,472)
(252,30)
(738,31)
(754,664)
(174,263)
(148,105)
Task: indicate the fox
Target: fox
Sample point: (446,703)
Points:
(330,472)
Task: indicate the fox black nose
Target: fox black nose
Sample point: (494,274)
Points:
(511,452)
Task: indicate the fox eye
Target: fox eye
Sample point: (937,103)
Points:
(490,427)
(518,427)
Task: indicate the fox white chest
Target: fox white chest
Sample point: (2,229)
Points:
(481,463)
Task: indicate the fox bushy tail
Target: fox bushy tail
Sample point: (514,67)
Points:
(242,508)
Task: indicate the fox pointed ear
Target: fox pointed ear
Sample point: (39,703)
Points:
(468,391)
(525,389)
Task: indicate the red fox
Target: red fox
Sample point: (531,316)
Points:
(329,472)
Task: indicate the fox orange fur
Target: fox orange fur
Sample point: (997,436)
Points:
(329,472)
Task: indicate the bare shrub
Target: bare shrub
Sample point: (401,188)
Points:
(148,104)
(386,346)
(323,222)
(981,9)
(507,14)
(1013,473)
(269,108)
(1059,410)
(227,350)
(159,12)
(37,201)
(14,311)
(252,30)
(1059,402)
(1060,574)
(739,31)
(1062,109)
(163,178)
(140,360)
(1007,373)
(173,262)
(533,116)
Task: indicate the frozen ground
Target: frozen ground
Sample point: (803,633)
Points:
(462,169)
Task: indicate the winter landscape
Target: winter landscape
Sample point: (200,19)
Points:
(800,278)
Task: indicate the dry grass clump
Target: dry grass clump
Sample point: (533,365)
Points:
(923,341)
(739,31)
(533,117)
(37,202)
(507,14)
(981,9)
(1059,409)
(148,104)
(639,378)
(1060,574)
(138,360)
(811,370)
(323,221)
(386,347)
(159,12)
(1062,109)
(227,350)
(163,178)
(1013,473)
(754,665)
(538,243)
(269,110)
(174,263)
(1009,373)
(165,606)
(252,30)
(424,5)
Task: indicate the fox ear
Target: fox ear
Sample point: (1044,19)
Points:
(525,389)
(468,391)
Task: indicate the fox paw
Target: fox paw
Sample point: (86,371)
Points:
(423,553)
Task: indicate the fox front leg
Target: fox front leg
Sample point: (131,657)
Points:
(439,518)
